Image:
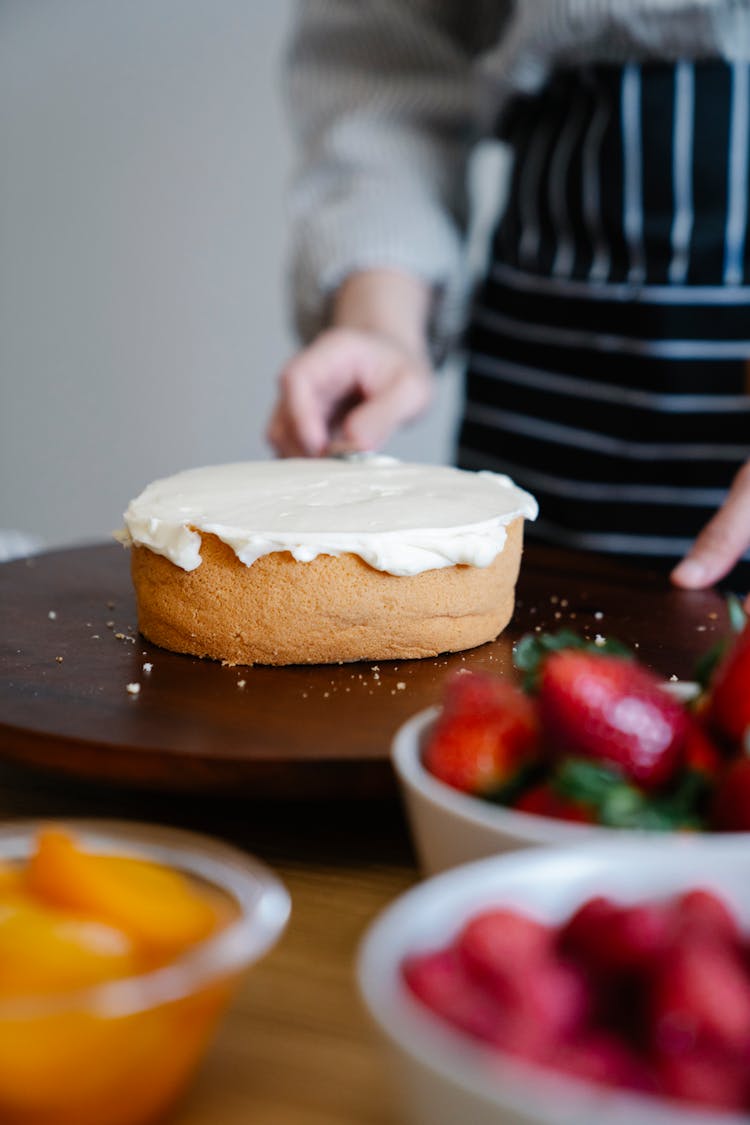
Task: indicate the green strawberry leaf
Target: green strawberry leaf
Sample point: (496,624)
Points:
(618,804)
(709,662)
(533,649)
(737,615)
(580,779)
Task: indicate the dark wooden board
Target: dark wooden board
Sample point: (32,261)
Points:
(69,647)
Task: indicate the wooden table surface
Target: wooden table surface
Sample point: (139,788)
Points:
(296,1048)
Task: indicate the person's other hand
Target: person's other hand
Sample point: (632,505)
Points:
(349,390)
(722,542)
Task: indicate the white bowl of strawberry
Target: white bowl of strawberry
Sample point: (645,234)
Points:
(591,745)
(580,986)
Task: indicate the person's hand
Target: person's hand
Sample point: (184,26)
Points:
(365,376)
(349,390)
(722,542)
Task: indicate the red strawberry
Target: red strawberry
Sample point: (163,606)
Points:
(542,800)
(699,752)
(729,690)
(730,808)
(700,997)
(441,982)
(614,711)
(487,733)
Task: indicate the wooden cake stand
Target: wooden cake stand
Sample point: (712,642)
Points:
(69,648)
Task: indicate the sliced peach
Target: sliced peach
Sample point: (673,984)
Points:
(11,879)
(156,906)
(42,951)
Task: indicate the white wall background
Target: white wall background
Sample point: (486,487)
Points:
(143,162)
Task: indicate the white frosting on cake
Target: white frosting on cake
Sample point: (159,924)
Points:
(399,517)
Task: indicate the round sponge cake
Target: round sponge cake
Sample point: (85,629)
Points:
(302,561)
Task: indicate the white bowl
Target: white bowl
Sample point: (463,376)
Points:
(442,1077)
(450,827)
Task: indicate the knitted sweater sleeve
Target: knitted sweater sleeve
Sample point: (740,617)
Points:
(383,104)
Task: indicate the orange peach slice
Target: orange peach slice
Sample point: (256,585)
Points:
(43,951)
(156,907)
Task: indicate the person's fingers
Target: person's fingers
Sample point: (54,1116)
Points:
(722,541)
(346,390)
(405,395)
(281,433)
(313,386)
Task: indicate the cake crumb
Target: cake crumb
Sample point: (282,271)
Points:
(94,636)
(599,640)
(564,603)
(147,667)
(132,689)
(558,615)
(700,628)
(52,615)
(326,694)
(110,605)
(674,679)
(375,668)
(598,615)
(401,686)
(59,659)
(713,617)
(110,624)
(554,599)
(240,683)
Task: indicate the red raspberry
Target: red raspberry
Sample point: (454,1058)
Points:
(441,982)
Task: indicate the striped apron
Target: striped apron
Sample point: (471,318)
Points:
(607,343)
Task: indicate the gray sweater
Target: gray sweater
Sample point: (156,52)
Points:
(388,98)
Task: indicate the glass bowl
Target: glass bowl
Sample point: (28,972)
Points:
(121,1051)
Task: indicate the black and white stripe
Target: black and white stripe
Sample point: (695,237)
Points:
(608,342)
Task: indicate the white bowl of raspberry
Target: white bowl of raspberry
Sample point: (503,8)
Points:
(578,986)
(591,747)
